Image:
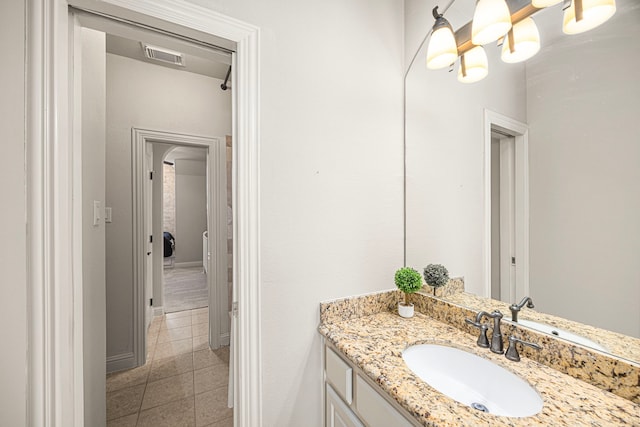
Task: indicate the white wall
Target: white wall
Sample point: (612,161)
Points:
(151,97)
(330,179)
(13,316)
(93,87)
(445,150)
(191,209)
(585,174)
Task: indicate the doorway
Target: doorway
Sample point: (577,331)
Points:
(506,249)
(58,382)
(204,188)
(184,228)
(182,376)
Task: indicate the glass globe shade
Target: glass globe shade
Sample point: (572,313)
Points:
(526,42)
(442,50)
(491,20)
(476,66)
(544,3)
(594,13)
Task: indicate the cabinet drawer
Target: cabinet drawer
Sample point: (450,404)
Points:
(339,375)
(338,413)
(374,410)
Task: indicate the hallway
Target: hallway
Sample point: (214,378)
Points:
(183,383)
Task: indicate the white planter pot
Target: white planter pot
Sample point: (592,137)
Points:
(405,310)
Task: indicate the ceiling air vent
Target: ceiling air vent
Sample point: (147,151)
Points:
(162,54)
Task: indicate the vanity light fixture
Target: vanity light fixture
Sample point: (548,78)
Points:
(442,50)
(521,42)
(491,20)
(584,15)
(473,65)
(509,20)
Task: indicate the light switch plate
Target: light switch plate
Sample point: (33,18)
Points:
(96,212)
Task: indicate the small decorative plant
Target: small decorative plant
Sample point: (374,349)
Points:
(436,275)
(408,281)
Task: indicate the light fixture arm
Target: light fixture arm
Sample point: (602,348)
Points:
(435,13)
(578,6)
(440,21)
(511,41)
(463,66)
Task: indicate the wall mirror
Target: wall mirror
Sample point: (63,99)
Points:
(562,211)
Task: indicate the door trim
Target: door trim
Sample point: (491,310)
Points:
(520,131)
(55,372)
(216,222)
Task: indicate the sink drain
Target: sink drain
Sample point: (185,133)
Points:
(479,407)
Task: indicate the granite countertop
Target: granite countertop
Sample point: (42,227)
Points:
(617,344)
(374,343)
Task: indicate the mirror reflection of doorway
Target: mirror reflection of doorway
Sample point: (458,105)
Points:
(503,255)
(507,208)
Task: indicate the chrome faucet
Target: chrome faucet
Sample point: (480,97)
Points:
(515,308)
(496,335)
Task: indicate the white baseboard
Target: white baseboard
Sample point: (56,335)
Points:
(189,264)
(158,311)
(225,338)
(121,362)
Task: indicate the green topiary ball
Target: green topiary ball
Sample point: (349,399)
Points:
(408,280)
(436,275)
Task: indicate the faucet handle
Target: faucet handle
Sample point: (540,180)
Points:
(512,350)
(483,341)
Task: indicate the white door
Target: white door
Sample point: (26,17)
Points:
(148,226)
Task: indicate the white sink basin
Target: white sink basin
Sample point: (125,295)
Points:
(560,333)
(473,380)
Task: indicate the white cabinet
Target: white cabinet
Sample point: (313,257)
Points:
(339,374)
(338,413)
(374,409)
(350,401)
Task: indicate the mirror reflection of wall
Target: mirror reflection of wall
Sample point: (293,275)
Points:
(579,97)
(583,97)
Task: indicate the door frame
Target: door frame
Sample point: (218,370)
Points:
(520,132)
(55,371)
(216,224)
(148,231)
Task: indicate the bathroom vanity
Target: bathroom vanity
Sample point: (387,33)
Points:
(351,398)
(367,382)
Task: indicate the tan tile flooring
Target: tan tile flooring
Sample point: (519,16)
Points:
(183,383)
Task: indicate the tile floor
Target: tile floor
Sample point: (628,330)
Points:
(183,383)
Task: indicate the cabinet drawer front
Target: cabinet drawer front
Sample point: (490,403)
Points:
(338,413)
(374,410)
(339,374)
